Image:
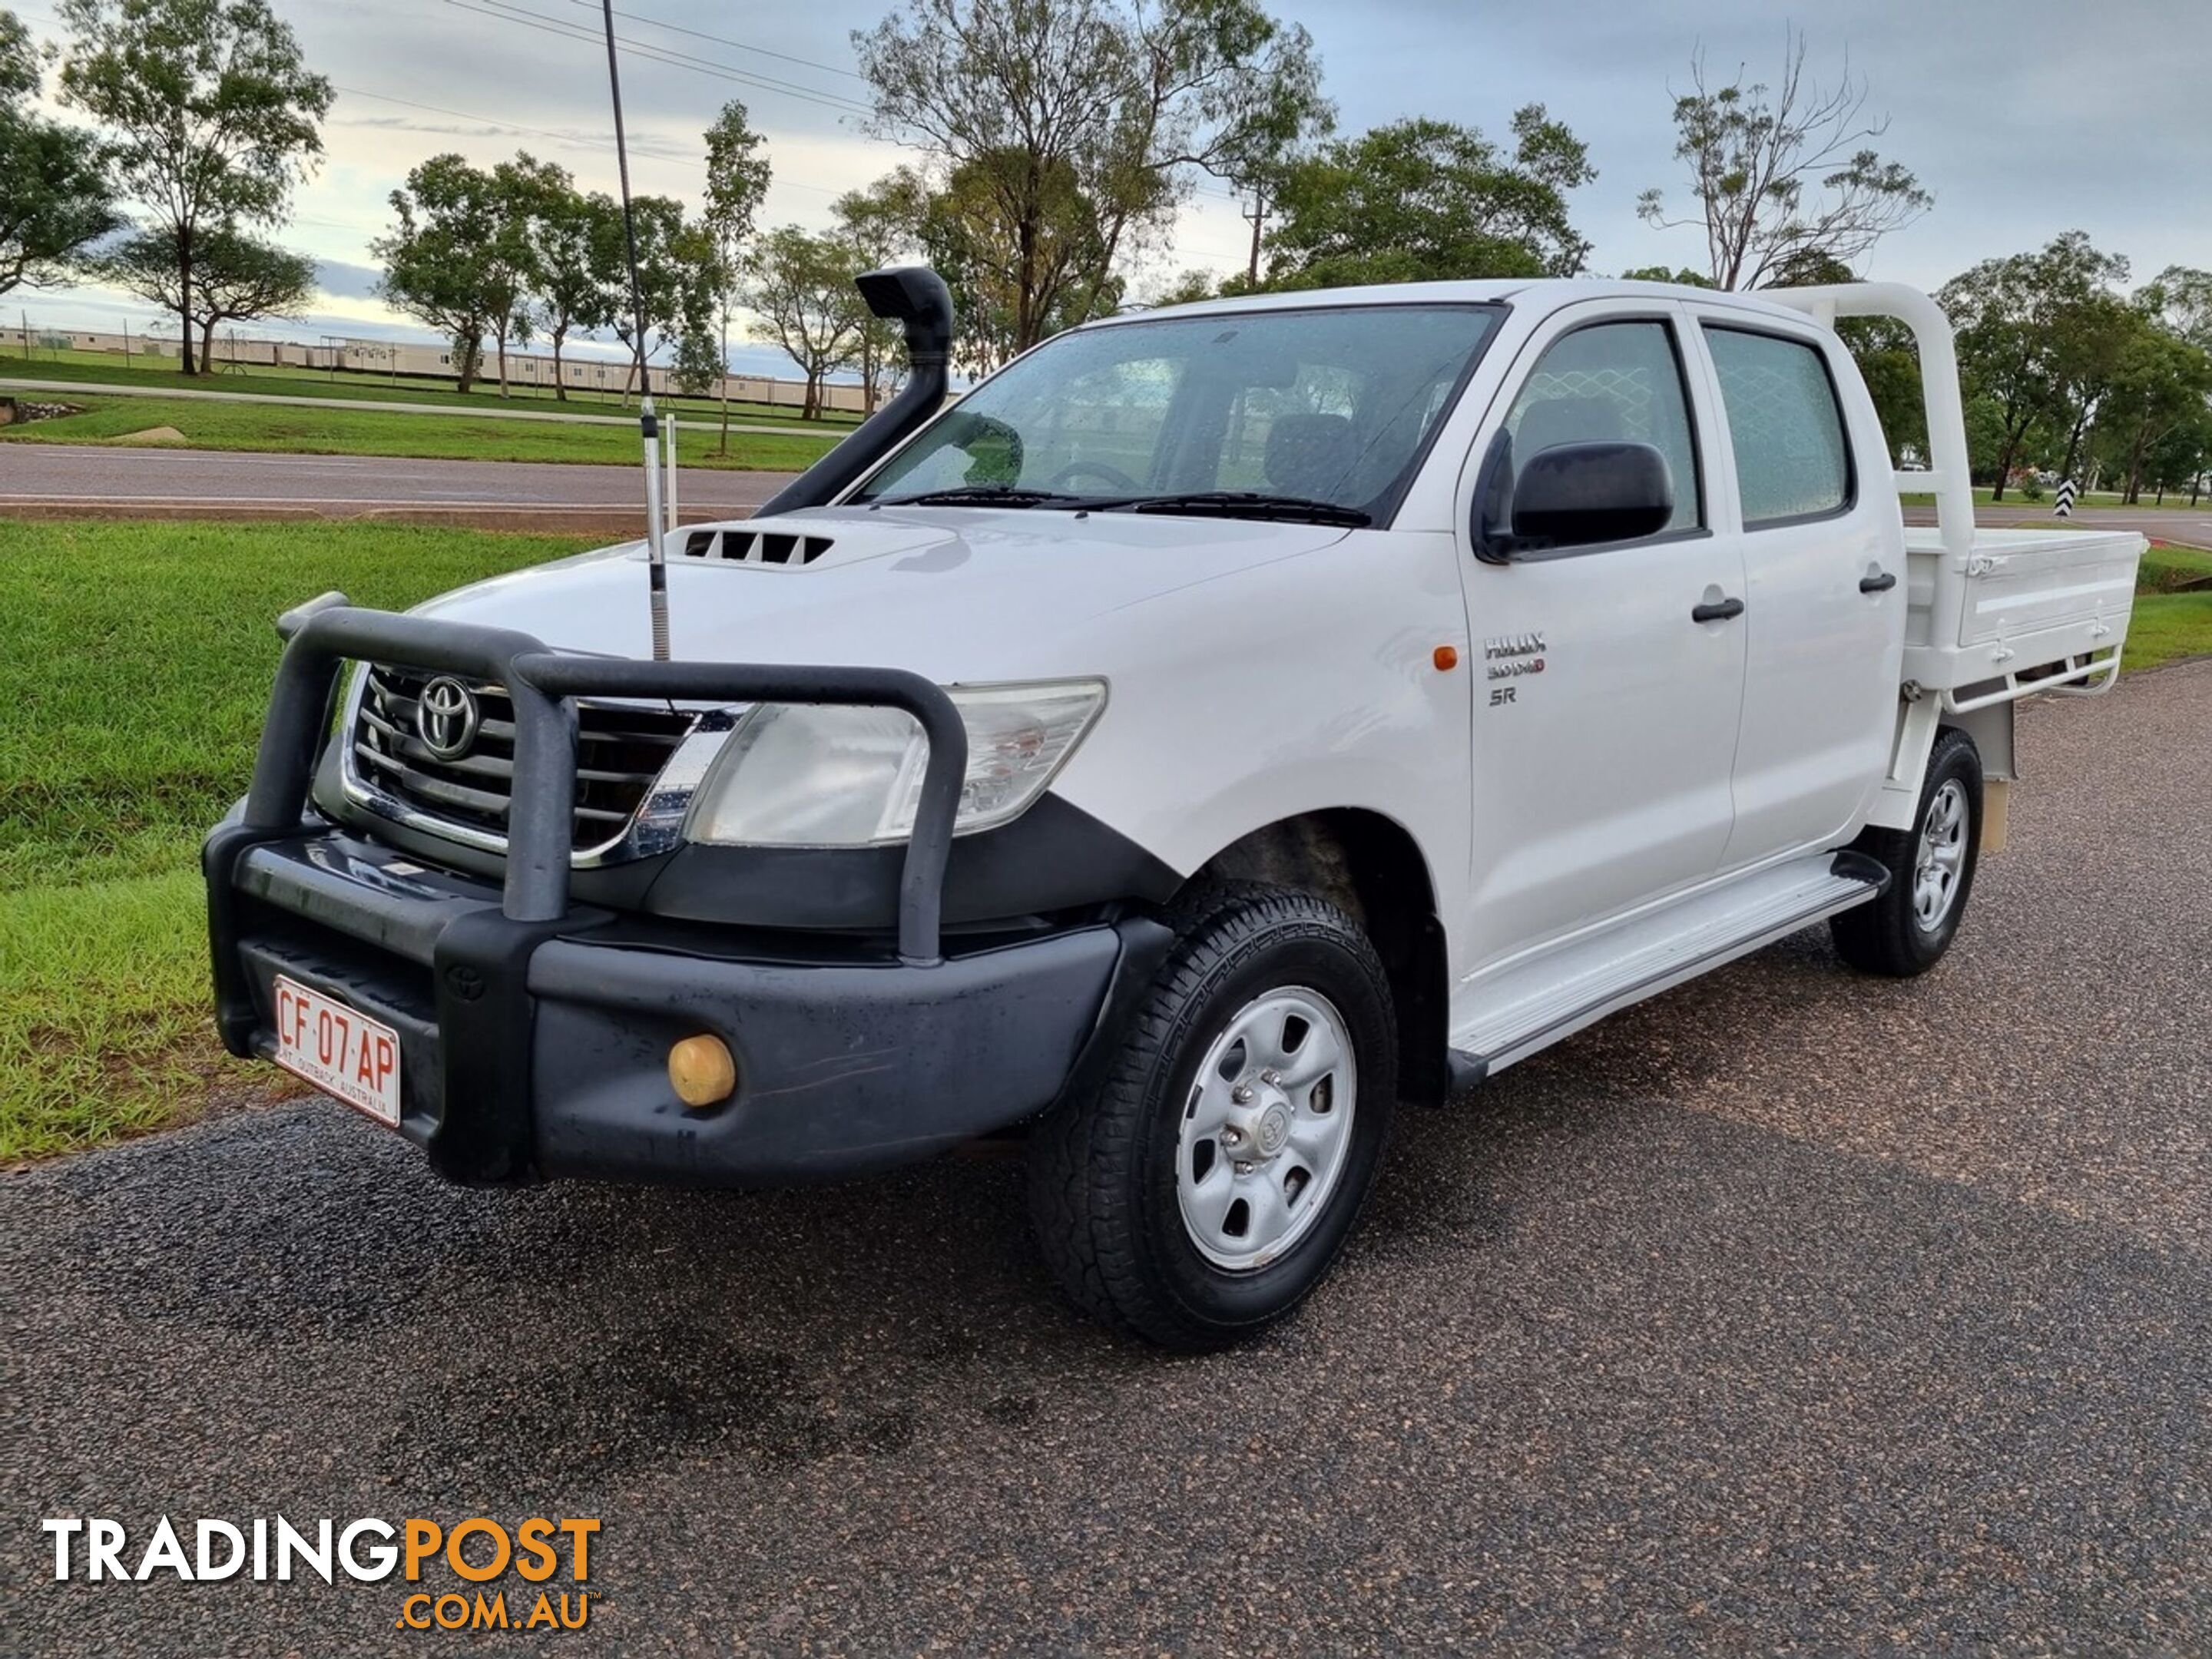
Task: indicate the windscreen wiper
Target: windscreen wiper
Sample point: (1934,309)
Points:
(1240,504)
(982,495)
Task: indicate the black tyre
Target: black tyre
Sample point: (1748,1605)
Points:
(1931,870)
(1205,1185)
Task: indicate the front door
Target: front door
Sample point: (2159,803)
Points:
(1606,713)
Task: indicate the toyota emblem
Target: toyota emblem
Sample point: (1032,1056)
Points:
(446,717)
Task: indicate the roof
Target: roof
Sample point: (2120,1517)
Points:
(1550,292)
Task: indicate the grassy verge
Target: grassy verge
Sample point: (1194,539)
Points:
(98,367)
(287,430)
(2173,608)
(134,662)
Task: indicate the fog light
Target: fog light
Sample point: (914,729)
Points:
(702,1071)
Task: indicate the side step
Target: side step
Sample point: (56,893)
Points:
(1528,1005)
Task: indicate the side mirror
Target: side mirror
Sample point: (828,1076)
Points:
(1580,494)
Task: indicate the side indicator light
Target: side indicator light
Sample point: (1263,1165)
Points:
(1446,658)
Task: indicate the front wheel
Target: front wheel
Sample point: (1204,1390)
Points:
(1931,870)
(1197,1195)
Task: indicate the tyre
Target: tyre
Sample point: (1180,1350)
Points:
(1206,1184)
(1931,870)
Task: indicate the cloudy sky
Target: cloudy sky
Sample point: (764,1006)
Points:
(2025,118)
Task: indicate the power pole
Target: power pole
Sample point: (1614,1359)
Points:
(1257,213)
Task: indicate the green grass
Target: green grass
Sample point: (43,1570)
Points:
(286,380)
(135,661)
(2172,619)
(281,429)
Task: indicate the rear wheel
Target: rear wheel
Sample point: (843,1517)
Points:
(1205,1186)
(1931,870)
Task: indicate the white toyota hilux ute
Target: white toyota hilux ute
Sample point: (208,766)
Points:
(1220,725)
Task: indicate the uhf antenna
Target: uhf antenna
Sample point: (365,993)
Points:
(656,566)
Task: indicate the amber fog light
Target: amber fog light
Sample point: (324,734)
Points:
(702,1071)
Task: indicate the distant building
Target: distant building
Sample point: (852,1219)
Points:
(341,355)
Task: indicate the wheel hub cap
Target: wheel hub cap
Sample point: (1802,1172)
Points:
(1266,1128)
(1942,856)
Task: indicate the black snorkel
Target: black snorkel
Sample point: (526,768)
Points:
(916,296)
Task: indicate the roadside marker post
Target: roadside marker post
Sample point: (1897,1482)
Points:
(2065,508)
(668,430)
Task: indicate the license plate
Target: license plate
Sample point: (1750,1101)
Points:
(341,1051)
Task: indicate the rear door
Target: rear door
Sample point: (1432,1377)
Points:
(1824,598)
(1606,716)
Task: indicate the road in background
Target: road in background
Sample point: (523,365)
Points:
(55,480)
(71,480)
(1791,1311)
(2182,524)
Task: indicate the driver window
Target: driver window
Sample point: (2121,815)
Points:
(1614,381)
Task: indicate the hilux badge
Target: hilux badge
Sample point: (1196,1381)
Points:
(446,718)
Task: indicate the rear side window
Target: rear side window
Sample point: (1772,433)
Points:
(1610,382)
(1791,460)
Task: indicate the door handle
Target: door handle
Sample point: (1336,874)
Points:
(1881,584)
(1720,612)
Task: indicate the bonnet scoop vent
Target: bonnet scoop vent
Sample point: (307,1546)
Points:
(779,547)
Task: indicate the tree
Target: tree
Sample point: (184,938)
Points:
(1422,200)
(54,194)
(879,225)
(801,288)
(236,278)
(2159,387)
(737,176)
(2181,299)
(1778,173)
(2025,325)
(440,266)
(211,114)
(1067,129)
(522,189)
(1681,274)
(677,276)
(577,238)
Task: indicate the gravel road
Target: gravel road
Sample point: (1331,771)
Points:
(1789,1312)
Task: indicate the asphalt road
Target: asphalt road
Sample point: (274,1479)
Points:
(2180,522)
(59,479)
(1789,1312)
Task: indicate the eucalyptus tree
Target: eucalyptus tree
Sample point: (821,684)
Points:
(1068,130)
(2028,327)
(210,114)
(1423,199)
(1784,171)
(737,177)
(55,197)
(236,278)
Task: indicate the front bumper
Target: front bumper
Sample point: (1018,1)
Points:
(534,1049)
(534,1033)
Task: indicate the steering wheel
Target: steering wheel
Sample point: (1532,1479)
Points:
(1074,470)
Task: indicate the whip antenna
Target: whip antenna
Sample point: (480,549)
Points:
(649,426)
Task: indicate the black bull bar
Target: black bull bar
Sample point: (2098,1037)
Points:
(324,634)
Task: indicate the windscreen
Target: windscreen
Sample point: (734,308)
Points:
(1333,405)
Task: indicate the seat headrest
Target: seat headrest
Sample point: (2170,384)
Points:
(1309,455)
(1568,421)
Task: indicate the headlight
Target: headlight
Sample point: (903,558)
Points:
(816,776)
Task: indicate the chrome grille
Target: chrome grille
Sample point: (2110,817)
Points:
(621,748)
